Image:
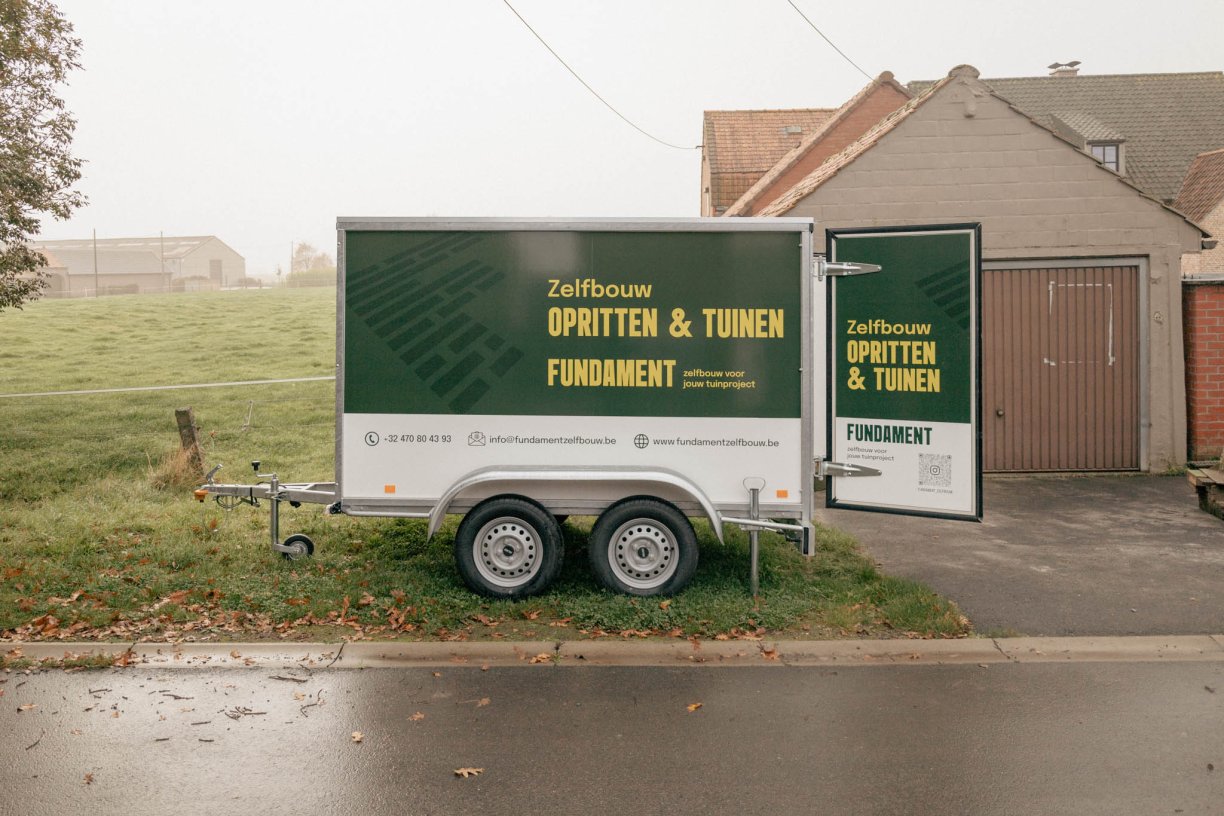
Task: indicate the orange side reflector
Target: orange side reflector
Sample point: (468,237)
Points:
(782,494)
(388,488)
(200,495)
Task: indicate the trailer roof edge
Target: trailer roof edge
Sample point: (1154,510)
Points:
(579,224)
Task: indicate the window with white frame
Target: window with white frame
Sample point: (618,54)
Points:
(1108,154)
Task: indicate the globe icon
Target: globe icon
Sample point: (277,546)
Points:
(641,440)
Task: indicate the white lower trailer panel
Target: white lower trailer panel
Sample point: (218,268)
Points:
(414,459)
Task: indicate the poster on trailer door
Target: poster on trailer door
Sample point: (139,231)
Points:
(905,384)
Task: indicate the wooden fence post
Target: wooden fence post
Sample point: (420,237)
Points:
(188,438)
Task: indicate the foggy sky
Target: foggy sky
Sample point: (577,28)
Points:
(261,121)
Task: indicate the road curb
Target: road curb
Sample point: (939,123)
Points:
(314,656)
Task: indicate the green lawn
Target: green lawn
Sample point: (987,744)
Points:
(95,544)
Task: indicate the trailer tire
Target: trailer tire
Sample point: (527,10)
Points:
(643,547)
(508,547)
(302,545)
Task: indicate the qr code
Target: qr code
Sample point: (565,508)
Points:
(935,469)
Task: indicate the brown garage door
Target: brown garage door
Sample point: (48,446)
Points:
(1060,368)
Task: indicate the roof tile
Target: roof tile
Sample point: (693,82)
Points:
(1165,119)
(742,145)
(744,203)
(1203,189)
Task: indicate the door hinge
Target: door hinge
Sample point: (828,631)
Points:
(841,269)
(825,468)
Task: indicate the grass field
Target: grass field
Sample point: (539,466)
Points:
(99,540)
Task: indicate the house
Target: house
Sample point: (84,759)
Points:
(1202,200)
(738,147)
(138,265)
(1146,127)
(846,124)
(56,275)
(1081,293)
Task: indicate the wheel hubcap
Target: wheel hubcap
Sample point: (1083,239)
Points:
(507,552)
(643,553)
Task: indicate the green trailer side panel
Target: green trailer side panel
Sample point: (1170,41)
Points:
(476,322)
(912,319)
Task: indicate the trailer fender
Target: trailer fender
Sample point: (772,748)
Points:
(516,477)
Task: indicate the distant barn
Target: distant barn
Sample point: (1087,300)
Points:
(140,265)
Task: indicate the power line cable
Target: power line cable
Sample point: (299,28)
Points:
(594,93)
(830,42)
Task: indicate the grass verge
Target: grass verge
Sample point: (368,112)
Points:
(100,539)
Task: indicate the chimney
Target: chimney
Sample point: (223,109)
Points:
(1065,69)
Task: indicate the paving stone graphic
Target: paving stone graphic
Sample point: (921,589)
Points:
(416,302)
(950,291)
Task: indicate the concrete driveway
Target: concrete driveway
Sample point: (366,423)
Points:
(1099,555)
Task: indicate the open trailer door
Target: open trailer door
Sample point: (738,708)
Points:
(904,362)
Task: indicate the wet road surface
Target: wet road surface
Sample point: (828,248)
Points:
(1086,738)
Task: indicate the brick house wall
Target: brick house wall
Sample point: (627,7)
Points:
(1203,320)
(966,155)
(1209,261)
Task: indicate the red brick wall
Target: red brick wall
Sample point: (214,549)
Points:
(1203,305)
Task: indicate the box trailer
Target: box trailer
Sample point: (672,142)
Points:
(517,372)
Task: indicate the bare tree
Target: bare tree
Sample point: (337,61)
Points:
(37,169)
(306,258)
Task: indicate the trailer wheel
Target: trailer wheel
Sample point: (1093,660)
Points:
(508,548)
(302,546)
(643,547)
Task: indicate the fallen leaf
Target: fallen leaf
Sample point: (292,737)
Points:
(76,732)
(769,654)
(542,657)
(437,674)
(358,736)
(234,654)
(417,717)
(484,667)
(88,779)
(366,600)
(299,696)
(694,706)
(466,772)
(484,701)
(115,715)
(27,707)
(533,614)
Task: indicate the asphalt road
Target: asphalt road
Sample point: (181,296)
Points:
(1011,738)
(1103,555)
